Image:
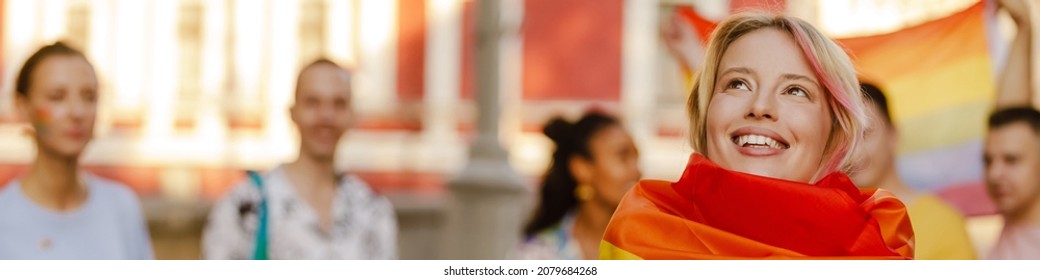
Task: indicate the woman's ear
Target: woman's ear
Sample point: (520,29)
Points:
(292,113)
(893,136)
(21,104)
(351,117)
(581,168)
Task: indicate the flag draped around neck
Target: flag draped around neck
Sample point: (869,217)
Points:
(714,213)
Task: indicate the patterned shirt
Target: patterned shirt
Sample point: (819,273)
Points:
(363,223)
(554,243)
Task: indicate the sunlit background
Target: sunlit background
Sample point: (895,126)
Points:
(194,92)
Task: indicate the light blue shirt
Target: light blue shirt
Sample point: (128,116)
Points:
(109,225)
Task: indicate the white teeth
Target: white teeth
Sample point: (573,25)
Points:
(758,140)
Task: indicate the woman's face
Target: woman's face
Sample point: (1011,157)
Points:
(614,166)
(61,104)
(768,116)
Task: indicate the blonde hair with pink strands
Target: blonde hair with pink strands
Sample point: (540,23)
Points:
(829,62)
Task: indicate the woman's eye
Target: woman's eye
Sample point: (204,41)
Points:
(55,96)
(738,84)
(797,91)
(90,96)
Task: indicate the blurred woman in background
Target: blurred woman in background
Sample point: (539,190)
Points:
(595,163)
(58,211)
(939,229)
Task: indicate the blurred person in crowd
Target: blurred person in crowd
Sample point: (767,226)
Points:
(306,209)
(772,130)
(595,163)
(1012,147)
(939,229)
(1012,162)
(59,211)
(683,43)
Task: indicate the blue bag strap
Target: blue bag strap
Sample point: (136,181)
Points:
(260,248)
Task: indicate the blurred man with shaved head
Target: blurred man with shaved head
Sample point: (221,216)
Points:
(306,209)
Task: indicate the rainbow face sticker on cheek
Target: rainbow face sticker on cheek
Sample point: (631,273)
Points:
(42,118)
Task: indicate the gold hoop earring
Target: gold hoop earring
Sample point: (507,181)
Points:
(583,192)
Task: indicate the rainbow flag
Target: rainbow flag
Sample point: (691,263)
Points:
(716,213)
(939,77)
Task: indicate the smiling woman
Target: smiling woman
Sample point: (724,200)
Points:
(773,115)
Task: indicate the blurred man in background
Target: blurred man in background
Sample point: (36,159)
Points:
(1012,160)
(1012,148)
(306,209)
